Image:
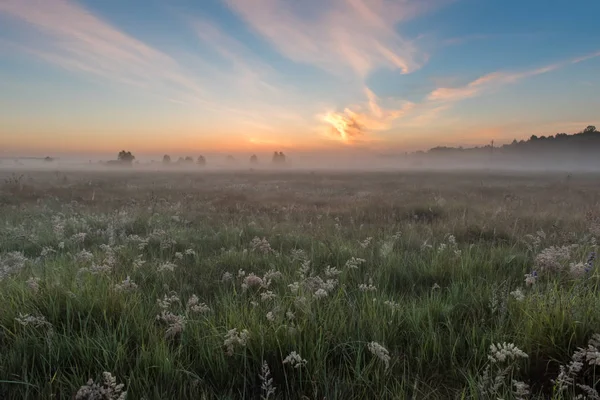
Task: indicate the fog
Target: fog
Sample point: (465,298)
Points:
(475,161)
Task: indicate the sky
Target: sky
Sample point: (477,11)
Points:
(192,76)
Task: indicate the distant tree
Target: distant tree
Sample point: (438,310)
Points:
(253,159)
(533,137)
(125,157)
(48,159)
(180,160)
(189,160)
(278,158)
(166,159)
(201,161)
(590,129)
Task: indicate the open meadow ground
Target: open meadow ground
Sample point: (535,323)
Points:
(174,285)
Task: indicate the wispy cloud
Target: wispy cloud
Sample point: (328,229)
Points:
(338,35)
(248,70)
(495,80)
(71,37)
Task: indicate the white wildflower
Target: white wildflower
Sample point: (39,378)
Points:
(367,287)
(234,339)
(127,285)
(166,266)
(227,277)
(552,259)
(175,323)
(138,262)
(194,305)
(386,248)
(518,294)
(577,270)
(267,296)
(78,238)
(521,390)
(179,255)
(320,293)
(304,269)
(96,269)
(84,256)
(332,272)
(380,352)
(167,301)
(353,263)
(530,279)
(107,390)
(505,351)
(271,316)
(261,245)
(365,243)
(46,251)
(294,360)
(32,320)
(294,287)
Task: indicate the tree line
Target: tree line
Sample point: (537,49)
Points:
(127,158)
(585,141)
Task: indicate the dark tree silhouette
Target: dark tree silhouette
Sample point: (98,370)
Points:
(201,161)
(125,157)
(166,159)
(590,129)
(253,159)
(278,158)
(189,160)
(48,159)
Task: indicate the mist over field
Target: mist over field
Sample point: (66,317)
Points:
(299,200)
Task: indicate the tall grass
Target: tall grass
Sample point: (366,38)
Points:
(349,287)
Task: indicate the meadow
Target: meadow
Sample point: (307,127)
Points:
(299,285)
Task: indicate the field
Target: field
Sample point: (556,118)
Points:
(298,285)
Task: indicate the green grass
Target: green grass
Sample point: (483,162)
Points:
(449,306)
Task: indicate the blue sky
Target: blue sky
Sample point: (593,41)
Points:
(260,75)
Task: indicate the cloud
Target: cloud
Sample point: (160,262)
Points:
(68,35)
(495,80)
(351,126)
(338,35)
(248,70)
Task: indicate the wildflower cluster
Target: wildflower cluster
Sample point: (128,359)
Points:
(499,375)
(569,374)
(108,389)
(380,352)
(235,339)
(261,245)
(294,360)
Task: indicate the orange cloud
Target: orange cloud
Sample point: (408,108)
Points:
(350,125)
